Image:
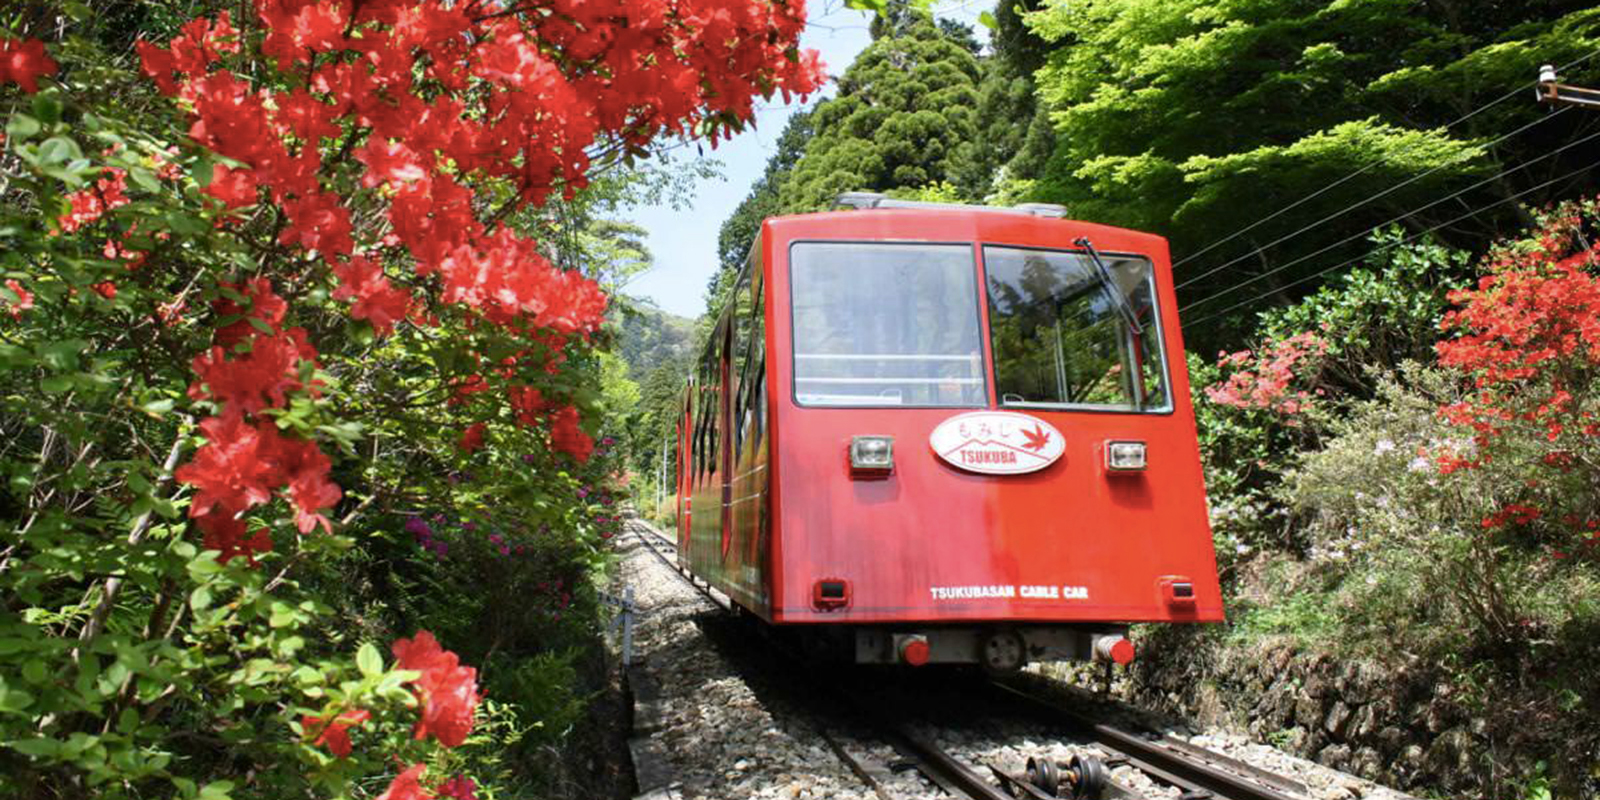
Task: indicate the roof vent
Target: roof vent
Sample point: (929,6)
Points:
(866,200)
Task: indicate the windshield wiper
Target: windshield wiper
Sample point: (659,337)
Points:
(1117,297)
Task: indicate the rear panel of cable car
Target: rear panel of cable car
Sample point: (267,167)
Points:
(944,425)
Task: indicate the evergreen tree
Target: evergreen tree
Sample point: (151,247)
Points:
(739,229)
(904,109)
(1014,137)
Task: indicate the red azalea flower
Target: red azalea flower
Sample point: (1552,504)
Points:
(472,439)
(105,289)
(406,786)
(23,61)
(88,205)
(336,733)
(460,787)
(566,436)
(230,470)
(225,532)
(265,305)
(449,691)
(234,187)
(24,299)
(377,300)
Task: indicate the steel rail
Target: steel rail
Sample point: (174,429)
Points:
(665,549)
(940,767)
(1196,770)
(1188,767)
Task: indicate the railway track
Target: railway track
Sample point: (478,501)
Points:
(1195,772)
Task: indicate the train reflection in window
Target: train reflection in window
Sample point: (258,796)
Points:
(1060,339)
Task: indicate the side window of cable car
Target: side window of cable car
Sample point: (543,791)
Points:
(714,401)
(1066,335)
(885,324)
(742,319)
(755,366)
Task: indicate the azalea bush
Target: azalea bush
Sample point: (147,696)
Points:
(1452,516)
(274,288)
(1528,338)
(1311,362)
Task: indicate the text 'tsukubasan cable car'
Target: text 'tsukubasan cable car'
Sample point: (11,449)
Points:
(949,434)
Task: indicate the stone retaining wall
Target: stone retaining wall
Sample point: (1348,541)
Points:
(1395,727)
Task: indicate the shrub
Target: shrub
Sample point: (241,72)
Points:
(269,291)
(1456,511)
(1528,340)
(1258,407)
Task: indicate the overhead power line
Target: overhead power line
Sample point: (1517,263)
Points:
(1375,162)
(1365,200)
(1363,234)
(1390,245)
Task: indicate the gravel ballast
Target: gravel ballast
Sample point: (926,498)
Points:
(704,730)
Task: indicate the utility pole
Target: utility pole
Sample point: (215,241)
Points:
(1552,91)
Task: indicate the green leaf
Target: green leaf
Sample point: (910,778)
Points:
(59,148)
(200,598)
(56,384)
(203,170)
(14,700)
(47,106)
(216,790)
(35,671)
(62,355)
(204,567)
(368,660)
(79,11)
(21,127)
(186,224)
(36,747)
(281,616)
(156,408)
(144,180)
(987,20)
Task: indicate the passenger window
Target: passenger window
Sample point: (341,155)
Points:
(752,358)
(886,325)
(1064,335)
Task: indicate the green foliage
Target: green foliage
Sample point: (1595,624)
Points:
(655,351)
(1368,321)
(940,192)
(1014,132)
(1303,616)
(1417,577)
(1194,119)
(905,107)
(132,662)
(1379,315)
(739,230)
(1418,539)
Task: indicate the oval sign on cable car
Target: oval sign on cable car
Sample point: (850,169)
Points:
(997,442)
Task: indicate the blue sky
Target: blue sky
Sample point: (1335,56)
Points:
(684,242)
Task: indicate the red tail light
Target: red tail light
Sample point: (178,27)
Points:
(830,593)
(1177,591)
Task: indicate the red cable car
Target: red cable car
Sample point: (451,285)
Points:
(949,434)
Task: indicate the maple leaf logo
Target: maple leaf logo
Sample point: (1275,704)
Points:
(1037,438)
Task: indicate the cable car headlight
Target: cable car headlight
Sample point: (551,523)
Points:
(1125,456)
(874,453)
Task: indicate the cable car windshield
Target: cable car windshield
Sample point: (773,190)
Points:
(880,324)
(1061,338)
